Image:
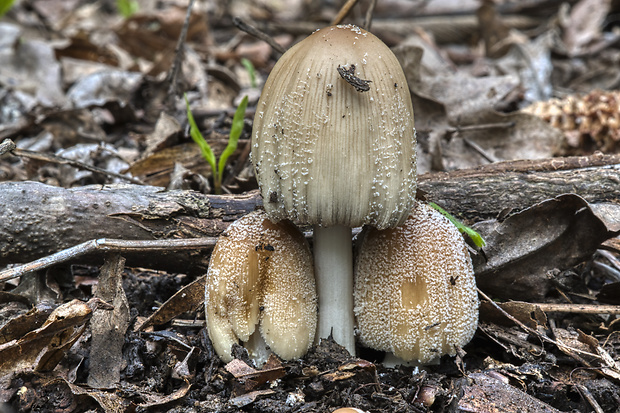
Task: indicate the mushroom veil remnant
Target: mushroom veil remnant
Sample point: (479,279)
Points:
(333,145)
(261,278)
(415,291)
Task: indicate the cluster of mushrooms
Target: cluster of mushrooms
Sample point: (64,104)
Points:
(333,146)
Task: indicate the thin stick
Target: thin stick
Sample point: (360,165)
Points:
(45,157)
(542,337)
(481,151)
(179,52)
(346,8)
(249,29)
(107,245)
(482,126)
(579,308)
(589,397)
(369,13)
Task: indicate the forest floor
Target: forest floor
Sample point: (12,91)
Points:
(91,93)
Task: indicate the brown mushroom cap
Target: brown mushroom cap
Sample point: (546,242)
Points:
(415,291)
(325,150)
(261,274)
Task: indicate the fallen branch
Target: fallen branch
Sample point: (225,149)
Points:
(485,192)
(39,219)
(107,245)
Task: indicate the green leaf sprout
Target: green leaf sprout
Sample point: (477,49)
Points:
(127,8)
(233,139)
(464,229)
(247,63)
(5,6)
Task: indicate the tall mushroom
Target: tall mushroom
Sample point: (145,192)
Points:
(415,291)
(260,290)
(333,146)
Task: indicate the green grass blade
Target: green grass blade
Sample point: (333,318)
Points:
(127,8)
(247,63)
(464,229)
(235,134)
(5,6)
(205,149)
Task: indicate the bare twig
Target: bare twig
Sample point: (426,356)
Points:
(106,245)
(179,53)
(369,12)
(481,151)
(535,333)
(614,269)
(346,8)
(249,29)
(608,269)
(45,157)
(482,126)
(579,308)
(589,397)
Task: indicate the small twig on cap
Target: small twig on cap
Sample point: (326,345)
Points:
(251,30)
(360,85)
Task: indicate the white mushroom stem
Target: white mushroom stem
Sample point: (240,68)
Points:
(333,266)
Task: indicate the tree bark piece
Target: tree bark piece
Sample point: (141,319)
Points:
(485,192)
(39,219)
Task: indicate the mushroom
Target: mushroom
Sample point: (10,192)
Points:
(415,291)
(333,146)
(261,274)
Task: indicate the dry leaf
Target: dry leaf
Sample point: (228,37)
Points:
(108,327)
(485,394)
(557,233)
(527,313)
(42,348)
(187,299)
(271,371)
(584,25)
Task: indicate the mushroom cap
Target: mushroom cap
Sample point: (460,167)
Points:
(325,151)
(261,274)
(415,291)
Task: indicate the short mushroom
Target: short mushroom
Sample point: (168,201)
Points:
(333,146)
(261,275)
(415,291)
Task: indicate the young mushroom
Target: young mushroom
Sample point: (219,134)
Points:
(261,275)
(415,291)
(333,146)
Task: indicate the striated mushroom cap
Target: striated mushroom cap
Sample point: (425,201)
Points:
(261,274)
(333,139)
(415,291)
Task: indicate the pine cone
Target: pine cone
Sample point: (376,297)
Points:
(590,122)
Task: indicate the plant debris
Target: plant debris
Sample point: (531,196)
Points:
(109,217)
